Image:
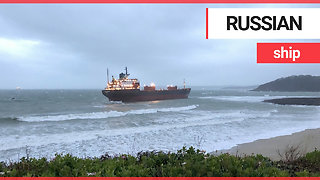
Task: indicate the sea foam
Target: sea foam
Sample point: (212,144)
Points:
(102,115)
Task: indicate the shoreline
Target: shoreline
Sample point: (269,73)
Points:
(303,142)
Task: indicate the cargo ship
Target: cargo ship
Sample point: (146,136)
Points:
(128,90)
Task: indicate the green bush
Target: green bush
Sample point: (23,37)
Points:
(185,162)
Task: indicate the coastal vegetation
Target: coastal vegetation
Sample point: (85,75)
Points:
(185,162)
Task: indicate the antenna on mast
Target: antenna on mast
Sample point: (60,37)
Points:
(108,75)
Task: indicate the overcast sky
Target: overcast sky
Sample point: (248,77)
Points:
(71,46)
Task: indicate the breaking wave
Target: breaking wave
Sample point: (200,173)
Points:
(102,115)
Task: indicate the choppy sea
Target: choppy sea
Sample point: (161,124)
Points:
(84,123)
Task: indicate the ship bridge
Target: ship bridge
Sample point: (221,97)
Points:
(123,83)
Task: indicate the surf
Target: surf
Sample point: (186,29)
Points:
(102,115)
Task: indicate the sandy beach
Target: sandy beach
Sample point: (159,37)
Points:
(305,141)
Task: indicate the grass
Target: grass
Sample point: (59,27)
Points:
(185,162)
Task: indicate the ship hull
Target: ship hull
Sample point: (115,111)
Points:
(137,95)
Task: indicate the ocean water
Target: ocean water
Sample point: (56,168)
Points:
(84,123)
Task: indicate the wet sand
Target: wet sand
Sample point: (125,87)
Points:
(306,141)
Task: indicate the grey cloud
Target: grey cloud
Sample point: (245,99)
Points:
(159,43)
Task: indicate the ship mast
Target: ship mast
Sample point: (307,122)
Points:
(108,75)
(184,83)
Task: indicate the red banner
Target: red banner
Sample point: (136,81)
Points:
(160,178)
(288,52)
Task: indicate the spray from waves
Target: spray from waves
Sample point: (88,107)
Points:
(102,115)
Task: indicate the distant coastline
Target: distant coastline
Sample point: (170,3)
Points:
(300,83)
(295,101)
